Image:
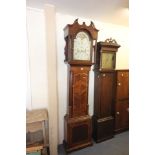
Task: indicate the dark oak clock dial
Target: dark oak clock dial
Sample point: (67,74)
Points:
(107,60)
(106,55)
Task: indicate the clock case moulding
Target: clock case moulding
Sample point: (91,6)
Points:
(109,46)
(70,32)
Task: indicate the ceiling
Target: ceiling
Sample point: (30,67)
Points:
(111,11)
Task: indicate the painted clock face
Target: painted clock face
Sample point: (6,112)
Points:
(107,61)
(82,47)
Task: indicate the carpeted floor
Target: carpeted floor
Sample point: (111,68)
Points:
(119,145)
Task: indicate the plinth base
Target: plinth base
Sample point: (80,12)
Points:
(103,128)
(78,132)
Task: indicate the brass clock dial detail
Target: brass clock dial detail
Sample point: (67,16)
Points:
(107,60)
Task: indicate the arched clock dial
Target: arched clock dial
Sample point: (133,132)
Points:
(82,47)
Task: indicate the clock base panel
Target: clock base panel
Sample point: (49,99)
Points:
(103,128)
(78,132)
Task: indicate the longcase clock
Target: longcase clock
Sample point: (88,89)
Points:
(81,41)
(104,90)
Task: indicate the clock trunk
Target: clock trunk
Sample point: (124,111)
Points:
(77,122)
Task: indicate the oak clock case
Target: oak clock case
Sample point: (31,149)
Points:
(80,46)
(104,90)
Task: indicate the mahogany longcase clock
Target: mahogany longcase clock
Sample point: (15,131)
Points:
(81,41)
(104,90)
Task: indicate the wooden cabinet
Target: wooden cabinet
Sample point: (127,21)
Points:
(122,101)
(104,105)
(122,85)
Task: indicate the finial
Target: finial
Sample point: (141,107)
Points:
(110,40)
(76,20)
(92,24)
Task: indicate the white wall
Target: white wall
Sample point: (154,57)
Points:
(37,58)
(28,90)
(120,33)
(38,68)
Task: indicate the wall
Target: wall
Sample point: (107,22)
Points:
(38,66)
(37,58)
(28,89)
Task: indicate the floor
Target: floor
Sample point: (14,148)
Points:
(119,145)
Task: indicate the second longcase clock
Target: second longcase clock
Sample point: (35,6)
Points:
(79,50)
(104,90)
